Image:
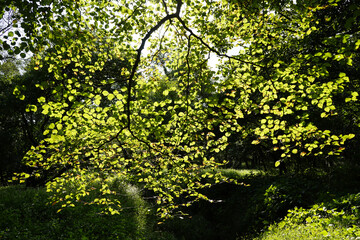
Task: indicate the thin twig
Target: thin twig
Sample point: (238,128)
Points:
(211,48)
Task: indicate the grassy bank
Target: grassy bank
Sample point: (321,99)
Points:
(322,206)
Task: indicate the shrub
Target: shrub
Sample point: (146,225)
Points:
(338,219)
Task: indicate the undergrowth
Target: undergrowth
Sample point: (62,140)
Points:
(339,219)
(25,214)
(313,206)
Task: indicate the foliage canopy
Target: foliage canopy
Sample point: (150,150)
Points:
(161,114)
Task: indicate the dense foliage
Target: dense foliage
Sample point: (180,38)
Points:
(131,91)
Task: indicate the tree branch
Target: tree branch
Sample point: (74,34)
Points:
(138,56)
(211,48)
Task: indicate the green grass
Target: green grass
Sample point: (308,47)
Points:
(240,174)
(26,215)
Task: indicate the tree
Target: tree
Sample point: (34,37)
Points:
(273,90)
(20,128)
(8,124)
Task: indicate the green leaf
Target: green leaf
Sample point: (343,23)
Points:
(324,233)
(166,92)
(111,96)
(350,136)
(277,163)
(33,108)
(59,126)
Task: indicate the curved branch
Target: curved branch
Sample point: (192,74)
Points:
(138,56)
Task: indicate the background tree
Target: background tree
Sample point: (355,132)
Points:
(20,128)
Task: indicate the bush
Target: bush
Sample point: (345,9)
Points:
(338,219)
